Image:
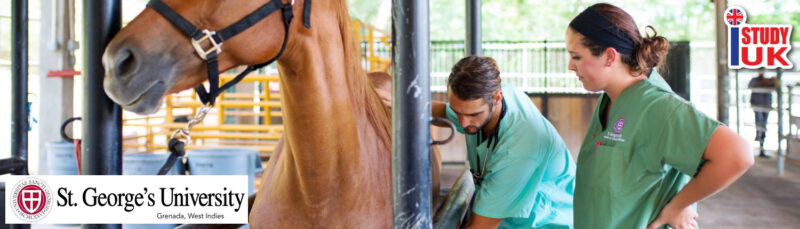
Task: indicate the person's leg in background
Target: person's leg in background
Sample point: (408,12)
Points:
(761,129)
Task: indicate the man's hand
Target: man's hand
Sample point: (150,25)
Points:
(685,218)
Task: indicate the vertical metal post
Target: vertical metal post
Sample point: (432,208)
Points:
(791,135)
(19,82)
(738,103)
(545,97)
(411,137)
(19,88)
(779,91)
(473,42)
(723,96)
(102,119)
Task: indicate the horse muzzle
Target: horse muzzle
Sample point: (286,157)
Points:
(135,81)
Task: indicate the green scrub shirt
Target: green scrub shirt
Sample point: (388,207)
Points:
(651,146)
(530,176)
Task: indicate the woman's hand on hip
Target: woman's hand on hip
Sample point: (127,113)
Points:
(685,218)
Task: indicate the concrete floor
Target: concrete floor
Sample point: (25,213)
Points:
(760,199)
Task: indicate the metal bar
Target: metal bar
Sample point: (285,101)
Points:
(102,119)
(13,165)
(791,134)
(267,111)
(224,127)
(723,85)
(19,92)
(411,136)
(371,49)
(473,41)
(779,93)
(545,97)
(19,82)
(738,105)
(227,104)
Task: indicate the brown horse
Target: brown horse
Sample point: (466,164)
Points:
(335,166)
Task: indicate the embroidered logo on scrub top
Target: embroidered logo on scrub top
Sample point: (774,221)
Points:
(617,134)
(618,125)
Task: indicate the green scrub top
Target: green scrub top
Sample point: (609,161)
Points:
(651,146)
(530,175)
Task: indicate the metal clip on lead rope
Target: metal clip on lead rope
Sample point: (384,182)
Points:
(181,137)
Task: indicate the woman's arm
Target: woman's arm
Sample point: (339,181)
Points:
(728,157)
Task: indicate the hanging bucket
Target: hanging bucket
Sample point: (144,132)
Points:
(148,164)
(226,161)
(59,159)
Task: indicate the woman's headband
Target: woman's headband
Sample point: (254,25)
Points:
(598,29)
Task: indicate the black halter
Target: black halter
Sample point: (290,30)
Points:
(210,55)
(216,38)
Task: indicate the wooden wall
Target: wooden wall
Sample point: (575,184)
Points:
(570,115)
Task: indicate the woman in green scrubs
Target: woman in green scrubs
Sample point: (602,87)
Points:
(648,155)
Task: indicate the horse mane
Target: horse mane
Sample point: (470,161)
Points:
(363,95)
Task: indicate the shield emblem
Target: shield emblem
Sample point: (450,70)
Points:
(31,203)
(31,200)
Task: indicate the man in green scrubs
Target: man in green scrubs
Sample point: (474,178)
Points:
(523,172)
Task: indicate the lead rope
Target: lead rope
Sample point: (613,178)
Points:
(181,137)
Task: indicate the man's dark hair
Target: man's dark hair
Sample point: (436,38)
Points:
(474,77)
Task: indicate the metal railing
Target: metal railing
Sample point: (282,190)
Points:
(533,66)
(259,108)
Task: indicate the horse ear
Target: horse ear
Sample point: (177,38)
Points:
(307,14)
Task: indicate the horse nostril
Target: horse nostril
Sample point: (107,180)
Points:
(125,63)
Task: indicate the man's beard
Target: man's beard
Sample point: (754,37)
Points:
(475,129)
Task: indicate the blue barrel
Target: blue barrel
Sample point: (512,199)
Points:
(59,159)
(225,161)
(148,164)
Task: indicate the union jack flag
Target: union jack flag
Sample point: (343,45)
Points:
(734,17)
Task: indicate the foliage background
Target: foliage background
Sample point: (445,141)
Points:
(532,20)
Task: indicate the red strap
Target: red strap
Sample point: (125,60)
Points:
(78,154)
(63,73)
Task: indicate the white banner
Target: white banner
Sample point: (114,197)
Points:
(126,199)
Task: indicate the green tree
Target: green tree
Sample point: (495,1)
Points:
(533,20)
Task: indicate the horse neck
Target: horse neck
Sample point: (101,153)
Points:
(333,119)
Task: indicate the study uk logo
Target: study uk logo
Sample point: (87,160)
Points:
(756,46)
(30,199)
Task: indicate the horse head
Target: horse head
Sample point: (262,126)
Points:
(151,57)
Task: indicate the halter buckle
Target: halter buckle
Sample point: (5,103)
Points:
(215,47)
